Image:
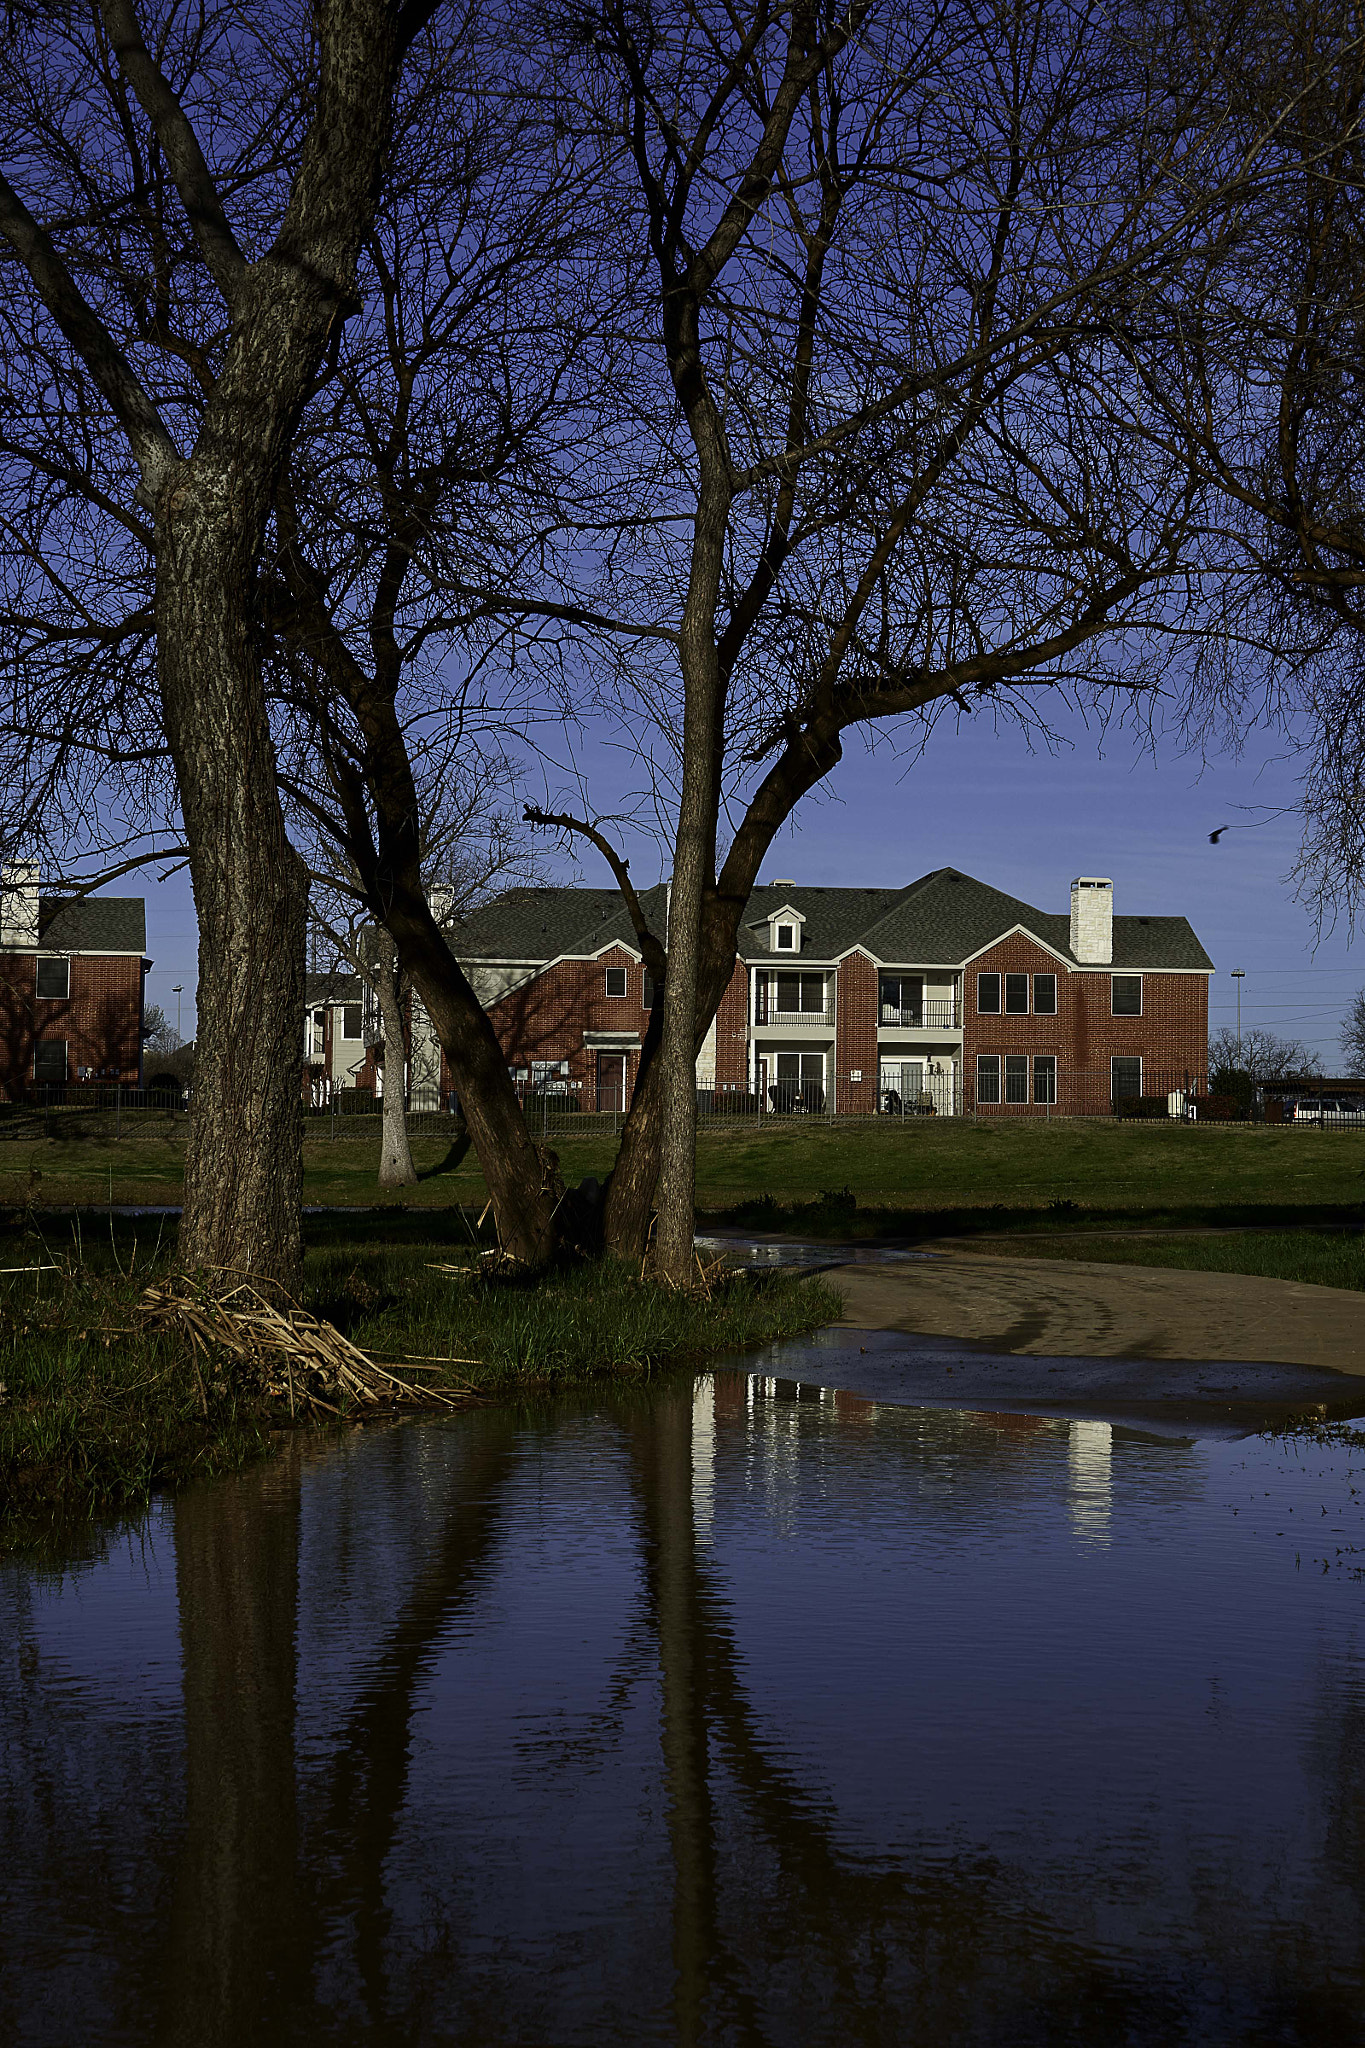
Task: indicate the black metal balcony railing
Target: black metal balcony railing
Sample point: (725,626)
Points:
(935,1013)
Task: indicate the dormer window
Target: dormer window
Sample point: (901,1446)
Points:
(786,938)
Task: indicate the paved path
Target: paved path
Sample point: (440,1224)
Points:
(1073,1309)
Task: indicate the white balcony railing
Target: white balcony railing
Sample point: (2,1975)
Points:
(935,1013)
(768,1014)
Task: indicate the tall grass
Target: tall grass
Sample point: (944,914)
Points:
(97,1413)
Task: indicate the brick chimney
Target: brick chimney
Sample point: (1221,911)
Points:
(1092,920)
(19,904)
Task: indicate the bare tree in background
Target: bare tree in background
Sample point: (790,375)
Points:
(187,189)
(879,456)
(471,845)
(442,440)
(1258,1054)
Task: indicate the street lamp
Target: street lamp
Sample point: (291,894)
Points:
(1239,975)
(176,992)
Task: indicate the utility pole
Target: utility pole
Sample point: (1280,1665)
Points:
(1239,975)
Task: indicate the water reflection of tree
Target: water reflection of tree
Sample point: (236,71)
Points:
(238,1945)
(783,1932)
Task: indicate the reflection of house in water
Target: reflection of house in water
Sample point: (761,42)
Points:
(1089,1455)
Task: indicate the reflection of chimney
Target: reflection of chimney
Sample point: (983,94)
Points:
(19,904)
(1092,920)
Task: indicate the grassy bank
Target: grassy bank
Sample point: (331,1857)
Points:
(97,1414)
(907,1175)
(1321,1258)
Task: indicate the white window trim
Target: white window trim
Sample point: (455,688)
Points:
(999,979)
(1127,1057)
(1142,995)
(1033,1077)
(616,995)
(1034,979)
(1027,980)
(990,1059)
(65,961)
(1013,1102)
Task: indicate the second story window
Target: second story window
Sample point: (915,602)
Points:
(786,938)
(1045,995)
(648,1003)
(988,995)
(1016,995)
(350,1020)
(800,993)
(616,981)
(54,980)
(1126,1000)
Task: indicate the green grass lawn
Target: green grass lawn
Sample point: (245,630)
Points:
(917,1172)
(1324,1258)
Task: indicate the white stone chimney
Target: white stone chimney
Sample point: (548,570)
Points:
(1092,920)
(19,904)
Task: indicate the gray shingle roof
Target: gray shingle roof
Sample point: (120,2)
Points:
(333,988)
(542,924)
(942,919)
(93,924)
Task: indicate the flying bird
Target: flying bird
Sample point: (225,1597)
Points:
(1214,837)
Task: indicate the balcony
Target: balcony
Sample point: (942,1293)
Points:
(935,1013)
(768,1017)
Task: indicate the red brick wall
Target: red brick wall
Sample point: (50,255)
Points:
(1170,1037)
(546,1019)
(732,1032)
(100,1019)
(855,1034)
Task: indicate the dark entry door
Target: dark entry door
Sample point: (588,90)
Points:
(611,1080)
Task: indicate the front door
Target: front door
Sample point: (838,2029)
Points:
(611,1080)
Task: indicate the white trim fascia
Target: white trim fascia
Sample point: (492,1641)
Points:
(1091,968)
(1024,932)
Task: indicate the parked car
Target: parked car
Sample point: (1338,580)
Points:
(1328,1109)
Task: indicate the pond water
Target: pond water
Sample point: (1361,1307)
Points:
(728,1711)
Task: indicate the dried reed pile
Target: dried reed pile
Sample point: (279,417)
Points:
(279,1352)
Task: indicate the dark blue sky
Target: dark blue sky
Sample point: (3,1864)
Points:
(1028,822)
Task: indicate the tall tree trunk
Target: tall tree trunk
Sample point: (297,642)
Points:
(523,1205)
(244,1166)
(396,1169)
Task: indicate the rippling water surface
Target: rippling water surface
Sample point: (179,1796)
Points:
(728,1712)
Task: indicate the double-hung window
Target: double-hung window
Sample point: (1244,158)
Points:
(648,1003)
(1125,995)
(616,981)
(1016,995)
(350,1020)
(49,1059)
(1016,1077)
(988,995)
(1125,1078)
(988,1077)
(1044,995)
(1045,1077)
(54,981)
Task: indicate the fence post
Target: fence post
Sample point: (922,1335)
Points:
(118,1109)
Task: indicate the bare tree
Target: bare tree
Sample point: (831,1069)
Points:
(442,440)
(188,188)
(1353,1036)
(880,455)
(1258,1054)
(471,845)
(1252,359)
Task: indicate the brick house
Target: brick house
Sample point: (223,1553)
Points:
(72,987)
(946,994)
